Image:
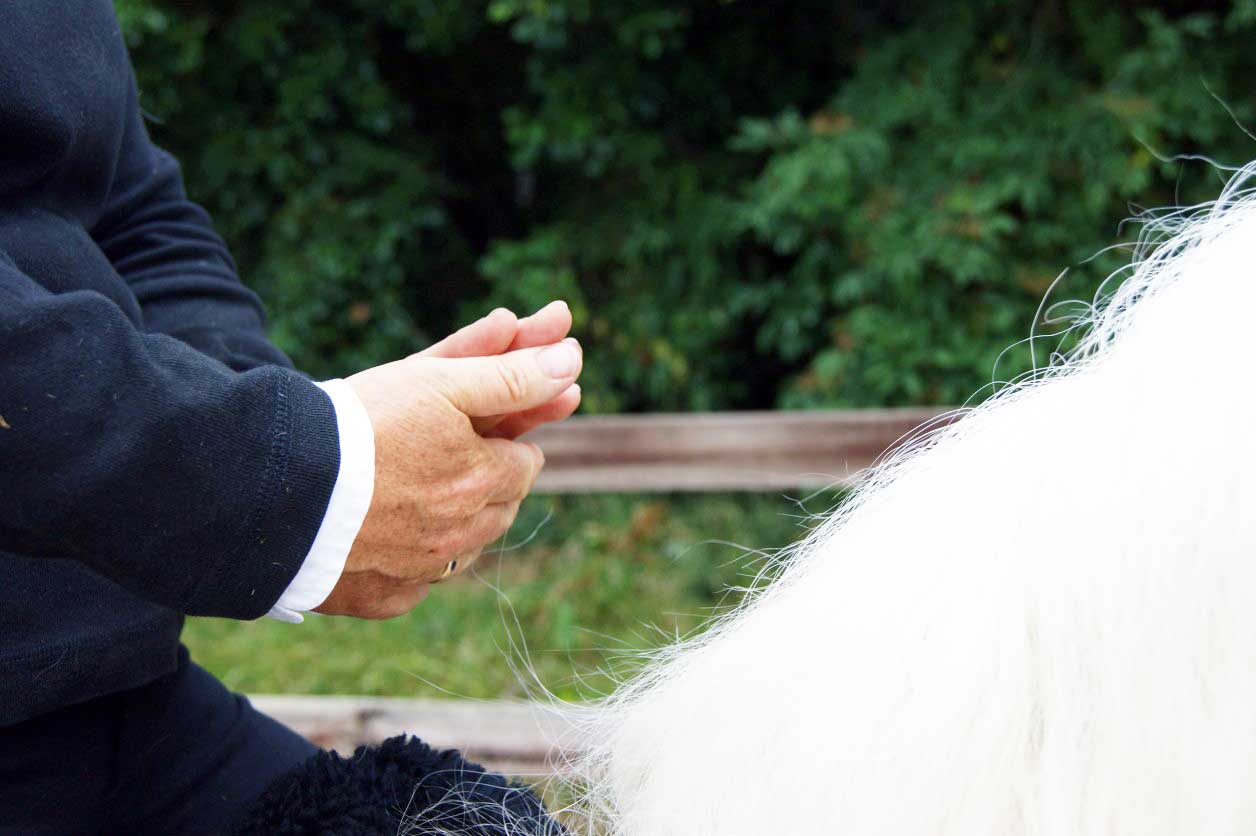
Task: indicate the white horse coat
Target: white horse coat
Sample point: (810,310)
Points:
(1039,622)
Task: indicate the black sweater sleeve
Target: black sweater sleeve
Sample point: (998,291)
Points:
(177,266)
(192,485)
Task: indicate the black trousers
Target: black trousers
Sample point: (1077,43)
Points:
(182,755)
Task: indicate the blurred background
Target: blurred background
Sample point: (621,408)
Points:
(748,205)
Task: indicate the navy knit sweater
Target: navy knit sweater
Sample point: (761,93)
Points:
(158,457)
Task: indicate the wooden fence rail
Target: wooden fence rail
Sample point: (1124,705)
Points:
(745,451)
(511,737)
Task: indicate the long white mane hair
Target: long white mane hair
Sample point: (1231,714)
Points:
(1037,621)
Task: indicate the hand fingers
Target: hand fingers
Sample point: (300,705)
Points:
(513,426)
(485,337)
(485,386)
(373,595)
(401,601)
(485,426)
(548,325)
(397,602)
(458,565)
(490,525)
(514,466)
(501,331)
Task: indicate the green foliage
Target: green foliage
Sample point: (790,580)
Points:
(748,204)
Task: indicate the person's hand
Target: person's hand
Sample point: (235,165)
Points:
(443,490)
(502,331)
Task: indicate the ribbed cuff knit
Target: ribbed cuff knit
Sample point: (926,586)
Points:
(286,510)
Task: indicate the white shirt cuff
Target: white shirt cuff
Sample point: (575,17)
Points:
(350,499)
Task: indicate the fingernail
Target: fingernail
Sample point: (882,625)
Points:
(558,360)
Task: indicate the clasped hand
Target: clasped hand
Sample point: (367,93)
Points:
(449,472)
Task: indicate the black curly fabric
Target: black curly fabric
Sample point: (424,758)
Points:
(402,787)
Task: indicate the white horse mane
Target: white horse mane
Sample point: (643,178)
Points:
(1038,621)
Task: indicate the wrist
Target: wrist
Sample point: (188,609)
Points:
(346,508)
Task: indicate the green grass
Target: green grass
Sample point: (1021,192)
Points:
(598,578)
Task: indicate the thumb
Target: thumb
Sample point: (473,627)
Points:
(518,380)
